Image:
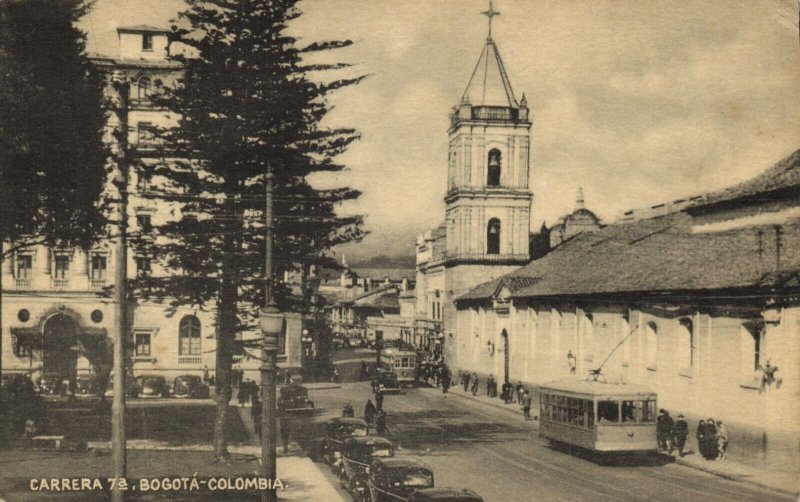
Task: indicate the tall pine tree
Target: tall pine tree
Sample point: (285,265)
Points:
(53,161)
(247,106)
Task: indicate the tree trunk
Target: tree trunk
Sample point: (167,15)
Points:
(225,332)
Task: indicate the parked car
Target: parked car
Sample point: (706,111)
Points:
(86,385)
(386,383)
(444,495)
(337,430)
(153,386)
(357,454)
(393,479)
(131,387)
(294,398)
(190,386)
(50,384)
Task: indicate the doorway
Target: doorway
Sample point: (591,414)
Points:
(59,356)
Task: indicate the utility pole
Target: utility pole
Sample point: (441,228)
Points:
(272,324)
(118,445)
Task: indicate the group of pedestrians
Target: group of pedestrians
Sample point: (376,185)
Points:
(712,436)
(248,391)
(374,414)
(510,393)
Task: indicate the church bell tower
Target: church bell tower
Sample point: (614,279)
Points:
(488,199)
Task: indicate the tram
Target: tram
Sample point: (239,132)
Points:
(402,362)
(598,416)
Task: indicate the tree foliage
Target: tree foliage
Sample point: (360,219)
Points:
(52,155)
(247,107)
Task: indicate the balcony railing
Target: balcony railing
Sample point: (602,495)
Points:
(97,283)
(60,283)
(23,282)
(189,360)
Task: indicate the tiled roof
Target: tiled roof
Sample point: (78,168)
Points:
(380,298)
(379,274)
(656,255)
(143,27)
(784,174)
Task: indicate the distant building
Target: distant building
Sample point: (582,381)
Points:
(702,305)
(579,221)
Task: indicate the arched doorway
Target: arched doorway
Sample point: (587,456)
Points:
(59,354)
(506,356)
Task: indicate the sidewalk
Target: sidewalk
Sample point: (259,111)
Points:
(780,481)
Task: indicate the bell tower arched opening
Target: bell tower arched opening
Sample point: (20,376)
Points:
(493,237)
(494,166)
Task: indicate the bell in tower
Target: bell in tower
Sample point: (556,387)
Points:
(493,176)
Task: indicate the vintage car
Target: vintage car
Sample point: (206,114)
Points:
(444,495)
(86,385)
(50,384)
(153,386)
(294,399)
(386,383)
(190,386)
(131,387)
(357,454)
(395,479)
(336,432)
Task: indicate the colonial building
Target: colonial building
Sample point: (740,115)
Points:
(486,231)
(57,317)
(701,304)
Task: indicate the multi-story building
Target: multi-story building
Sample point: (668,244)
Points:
(57,315)
(486,232)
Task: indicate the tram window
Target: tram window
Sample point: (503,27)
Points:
(590,415)
(647,411)
(608,411)
(628,411)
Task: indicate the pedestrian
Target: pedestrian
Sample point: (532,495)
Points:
(445,380)
(679,434)
(379,401)
(662,431)
(205,374)
(489,382)
(700,434)
(380,423)
(363,373)
(508,390)
(526,404)
(335,376)
(287,377)
(465,380)
(285,434)
(712,449)
(369,412)
(241,394)
(722,439)
(669,425)
(475,384)
(518,391)
(255,414)
(348,410)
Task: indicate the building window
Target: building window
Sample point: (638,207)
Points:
(142,344)
(493,237)
(99,266)
(651,345)
(142,182)
(685,344)
(142,266)
(145,89)
(24,266)
(189,336)
(146,133)
(752,339)
(145,223)
(62,267)
(147,41)
(493,170)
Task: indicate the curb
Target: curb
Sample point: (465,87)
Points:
(507,408)
(735,477)
(322,387)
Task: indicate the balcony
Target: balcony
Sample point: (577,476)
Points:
(97,283)
(189,360)
(60,283)
(23,282)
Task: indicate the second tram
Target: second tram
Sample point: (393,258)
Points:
(402,362)
(598,416)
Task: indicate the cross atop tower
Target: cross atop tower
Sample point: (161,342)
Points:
(490,14)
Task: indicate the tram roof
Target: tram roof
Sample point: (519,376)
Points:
(596,388)
(394,351)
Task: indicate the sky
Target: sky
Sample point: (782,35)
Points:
(637,101)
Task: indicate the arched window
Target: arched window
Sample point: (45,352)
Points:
(189,336)
(651,345)
(750,356)
(493,237)
(493,171)
(145,88)
(685,344)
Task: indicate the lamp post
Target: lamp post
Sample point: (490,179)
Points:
(272,324)
(118,444)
